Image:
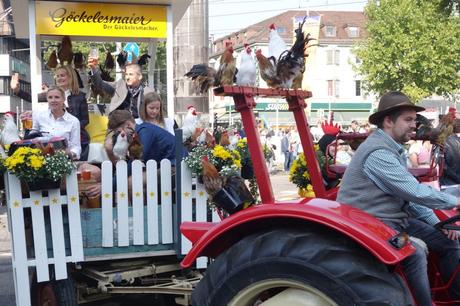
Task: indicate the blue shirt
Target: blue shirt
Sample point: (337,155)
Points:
(157,143)
(385,171)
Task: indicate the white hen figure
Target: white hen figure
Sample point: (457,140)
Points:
(246,75)
(190,122)
(10,132)
(120,148)
(276,44)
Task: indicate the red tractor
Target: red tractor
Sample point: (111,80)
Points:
(312,251)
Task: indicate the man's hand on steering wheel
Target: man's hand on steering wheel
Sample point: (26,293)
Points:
(451,234)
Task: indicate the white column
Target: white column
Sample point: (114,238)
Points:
(170,63)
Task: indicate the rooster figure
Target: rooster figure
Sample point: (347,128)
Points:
(291,64)
(190,122)
(79,60)
(204,77)
(120,145)
(52,60)
(65,53)
(276,45)
(445,127)
(9,134)
(246,75)
(109,62)
(122,58)
(212,180)
(135,148)
(267,70)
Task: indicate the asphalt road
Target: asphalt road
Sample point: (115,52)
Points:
(282,188)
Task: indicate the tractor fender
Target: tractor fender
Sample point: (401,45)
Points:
(211,239)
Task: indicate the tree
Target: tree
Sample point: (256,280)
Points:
(412,46)
(450,6)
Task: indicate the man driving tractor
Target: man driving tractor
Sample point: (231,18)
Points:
(379,166)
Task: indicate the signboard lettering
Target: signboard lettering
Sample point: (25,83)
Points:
(95,19)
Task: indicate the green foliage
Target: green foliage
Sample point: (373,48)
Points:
(412,46)
(450,6)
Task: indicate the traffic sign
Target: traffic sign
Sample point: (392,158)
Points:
(131,48)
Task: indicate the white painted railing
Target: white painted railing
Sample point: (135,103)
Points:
(119,231)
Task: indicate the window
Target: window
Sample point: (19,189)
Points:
(337,57)
(330,57)
(358,88)
(329,31)
(337,88)
(333,88)
(329,88)
(333,57)
(353,31)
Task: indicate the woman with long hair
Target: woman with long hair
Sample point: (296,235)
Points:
(66,79)
(151,111)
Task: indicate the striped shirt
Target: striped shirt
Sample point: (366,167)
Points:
(387,173)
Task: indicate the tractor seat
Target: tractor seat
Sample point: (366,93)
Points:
(337,169)
(418,172)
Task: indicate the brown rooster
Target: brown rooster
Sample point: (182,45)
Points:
(78,60)
(135,148)
(224,139)
(52,60)
(109,63)
(65,53)
(205,77)
(227,69)
(445,127)
(209,139)
(267,70)
(212,180)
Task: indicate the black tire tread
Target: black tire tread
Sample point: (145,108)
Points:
(65,292)
(355,273)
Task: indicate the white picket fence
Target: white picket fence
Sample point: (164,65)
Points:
(160,224)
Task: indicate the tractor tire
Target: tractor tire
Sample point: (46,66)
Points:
(324,266)
(55,293)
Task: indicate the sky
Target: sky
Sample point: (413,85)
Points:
(228,16)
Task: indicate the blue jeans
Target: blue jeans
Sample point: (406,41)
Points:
(415,266)
(287,160)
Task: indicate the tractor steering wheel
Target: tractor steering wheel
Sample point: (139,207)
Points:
(449,224)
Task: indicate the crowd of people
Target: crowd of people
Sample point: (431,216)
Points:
(135,113)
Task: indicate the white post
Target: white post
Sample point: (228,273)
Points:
(35,57)
(152,51)
(170,63)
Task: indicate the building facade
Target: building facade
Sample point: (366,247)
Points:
(14,57)
(329,70)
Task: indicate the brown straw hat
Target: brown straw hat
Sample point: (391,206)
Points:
(390,102)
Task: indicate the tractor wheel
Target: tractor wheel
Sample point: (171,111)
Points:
(299,267)
(55,293)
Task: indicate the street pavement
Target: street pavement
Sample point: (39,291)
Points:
(282,189)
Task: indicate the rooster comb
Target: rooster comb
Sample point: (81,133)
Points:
(10,113)
(330,128)
(272,26)
(190,106)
